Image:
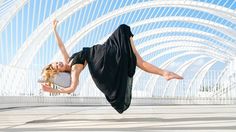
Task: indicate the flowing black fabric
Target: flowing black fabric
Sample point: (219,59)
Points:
(78,58)
(112,66)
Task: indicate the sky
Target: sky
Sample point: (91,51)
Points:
(35,12)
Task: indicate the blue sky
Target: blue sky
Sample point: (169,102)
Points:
(36,11)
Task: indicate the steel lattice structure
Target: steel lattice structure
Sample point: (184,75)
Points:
(195,38)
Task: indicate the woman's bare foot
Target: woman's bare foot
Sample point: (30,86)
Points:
(171,75)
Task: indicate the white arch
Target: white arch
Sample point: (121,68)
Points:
(184,39)
(220,91)
(166,30)
(200,75)
(213,25)
(217,10)
(179,44)
(219,78)
(153,79)
(176,44)
(8,15)
(202,71)
(181,69)
(190,52)
(177,49)
(74,39)
(36,39)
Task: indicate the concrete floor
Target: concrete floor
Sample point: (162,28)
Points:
(181,118)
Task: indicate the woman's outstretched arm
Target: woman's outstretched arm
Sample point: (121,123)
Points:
(60,43)
(151,68)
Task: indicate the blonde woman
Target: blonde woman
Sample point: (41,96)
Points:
(111,65)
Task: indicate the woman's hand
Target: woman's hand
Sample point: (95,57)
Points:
(47,88)
(171,75)
(54,24)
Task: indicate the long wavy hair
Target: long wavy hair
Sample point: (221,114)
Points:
(48,72)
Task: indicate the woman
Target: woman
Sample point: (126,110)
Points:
(112,66)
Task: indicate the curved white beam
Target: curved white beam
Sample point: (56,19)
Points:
(26,53)
(181,70)
(178,49)
(78,36)
(216,10)
(219,78)
(165,46)
(211,8)
(201,51)
(180,45)
(5,19)
(216,26)
(105,18)
(166,30)
(186,39)
(200,75)
(29,49)
(225,74)
(175,29)
(152,81)
(203,70)
(203,42)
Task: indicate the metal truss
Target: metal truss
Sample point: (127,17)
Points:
(10,13)
(152,81)
(222,51)
(199,76)
(217,10)
(37,38)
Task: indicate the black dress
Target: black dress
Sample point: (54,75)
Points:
(112,66)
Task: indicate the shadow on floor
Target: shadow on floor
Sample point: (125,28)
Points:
(139,119)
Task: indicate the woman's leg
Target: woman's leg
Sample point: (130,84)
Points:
(151,68)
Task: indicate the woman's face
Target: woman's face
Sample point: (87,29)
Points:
(59,66)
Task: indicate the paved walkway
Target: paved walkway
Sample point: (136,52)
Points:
(180,118)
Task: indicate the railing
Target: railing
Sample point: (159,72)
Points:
(19,84)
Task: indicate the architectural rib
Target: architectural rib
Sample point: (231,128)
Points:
(219,11)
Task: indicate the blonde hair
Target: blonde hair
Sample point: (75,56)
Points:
(48,72)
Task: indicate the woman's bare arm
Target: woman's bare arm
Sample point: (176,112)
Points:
(60,43)
(151,68)
(75,73)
